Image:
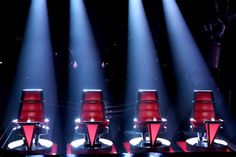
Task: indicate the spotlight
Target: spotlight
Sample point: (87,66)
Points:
(35,67)
(85,66)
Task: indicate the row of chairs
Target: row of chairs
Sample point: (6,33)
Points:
(93,122)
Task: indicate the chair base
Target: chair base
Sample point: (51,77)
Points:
(194,145)
(138,145)
(80,147)
(19,146)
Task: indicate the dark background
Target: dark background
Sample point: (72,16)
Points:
(109,20)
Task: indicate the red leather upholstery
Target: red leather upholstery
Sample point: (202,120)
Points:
(32,94)
(203,111)
(147,95)
(92,95)
(148,111)
(203,95)
(32,112)
(148,108)
(92,109)
(31,106)
(203,108)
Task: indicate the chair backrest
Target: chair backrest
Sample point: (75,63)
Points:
(147,95)
(203,95)
(32,95)
(92,95)
(92,106)
(203,105)
(31,105)
(148,106)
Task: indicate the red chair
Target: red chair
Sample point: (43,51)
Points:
(31,106)
(149,121)
(204,120)
(92,122)
(31,123)
(203,109)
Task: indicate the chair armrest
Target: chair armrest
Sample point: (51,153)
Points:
(106,122)
(46,121)
(164,123)
(194,123)
(135,121)
(164,120)
(77,121)
(215,120)
(15,123)
(193,120)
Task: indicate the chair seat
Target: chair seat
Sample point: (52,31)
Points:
(39,129)
(83,129)
(200,125)
(102,124)
(142,125)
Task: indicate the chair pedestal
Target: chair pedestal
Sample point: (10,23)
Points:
(79,146)
(206,141)
(194,145)
(148,143)
(138,145)
(19,146)
(96,145)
